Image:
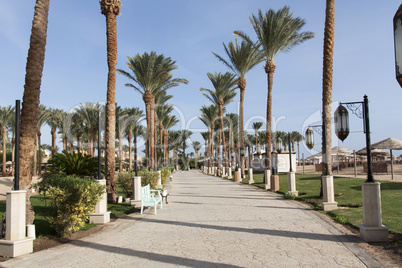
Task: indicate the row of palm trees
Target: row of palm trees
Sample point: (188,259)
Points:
(276,32)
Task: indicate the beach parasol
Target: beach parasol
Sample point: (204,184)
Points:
(391,144)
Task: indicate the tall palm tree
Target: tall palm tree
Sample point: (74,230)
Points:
(205,136)
(121,124)
(63,128)
(152,73)
(243,57)
(110,8)
(276,32)
(185,134)
(256,126)
(196,146)
(225,85)
(77,129)
(174,141)
(88,114)
(168,122)
(209,116)
(327,85)
(133,129)
(162,111)
(296,137)
(30,101)
(42,118)
(53,122)
(6,115)
(232,122)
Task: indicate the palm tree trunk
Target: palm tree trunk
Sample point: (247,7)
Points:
(327,88)
(30,103)
(90,140)
(269,69)
(53,133)
(78,144)
(161,143)
(152,135)
(13,155)
(111,10)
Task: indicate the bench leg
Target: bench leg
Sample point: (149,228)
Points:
(155,208)
(142,209)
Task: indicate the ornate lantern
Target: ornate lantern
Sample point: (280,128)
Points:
(279,145)
(341,118)
(398,44)
(309,138)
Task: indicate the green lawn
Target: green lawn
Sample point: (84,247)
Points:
(348,194)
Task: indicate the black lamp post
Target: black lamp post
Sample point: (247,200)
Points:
(290,153)
(17,146)
(99,151)
(342,128)
(398,44)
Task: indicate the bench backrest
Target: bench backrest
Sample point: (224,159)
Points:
(146,193)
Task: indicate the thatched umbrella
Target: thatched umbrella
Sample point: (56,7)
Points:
(391,144)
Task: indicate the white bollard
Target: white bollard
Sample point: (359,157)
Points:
(267,176)
(292,184)
(16,243)
(101,215)
(328,203)
(159,184)
(136,202)
(250,176)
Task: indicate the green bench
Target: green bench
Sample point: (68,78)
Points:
(150,198)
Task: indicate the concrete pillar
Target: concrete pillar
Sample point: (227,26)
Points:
(230,173)
(223,172)
(267,177)
(328,202)
(136,202)
(372,229)
(16,243)
(274,183)
(101,215)
(237,176)
(292,184)
(250,176)
(159,183)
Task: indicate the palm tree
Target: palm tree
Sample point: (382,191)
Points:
(168,122)
(77,129)
(256,126)
(225,85)
(63,128)
(327,85)
(209,115)
(121,124)
(53,122)
(242,58)
(88,113)
(110,8)
(205,136)
(185,134)
(135,116)
(232,122)
(162,111)
(6,115)
(30,101)
(196,146)
(276,32)
(42,118)
(152,73)
(174,141)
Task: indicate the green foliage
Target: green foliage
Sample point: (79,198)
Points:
(289,195)
(74,164)
(69,201)
(165,172)
(126,182)
(341,220)
(149,177)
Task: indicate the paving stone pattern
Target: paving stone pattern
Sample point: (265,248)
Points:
(212,222)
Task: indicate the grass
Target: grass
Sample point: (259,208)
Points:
(43,227)
(348,194)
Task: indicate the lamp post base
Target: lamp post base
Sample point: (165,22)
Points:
(250,176)
(267,179)
(373,234)
(328,206)
(274,183)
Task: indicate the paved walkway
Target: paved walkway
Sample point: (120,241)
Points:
(212,222)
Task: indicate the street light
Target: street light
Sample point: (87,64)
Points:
(279,145)
(309,138)
(342,128)
(341,119)
(398,44)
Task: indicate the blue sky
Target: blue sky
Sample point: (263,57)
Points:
(187,31)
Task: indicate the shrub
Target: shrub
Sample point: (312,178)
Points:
(341,220)
(289,195)
(149,177)
(126,182)
(165,172)
(69,201)
(74,164)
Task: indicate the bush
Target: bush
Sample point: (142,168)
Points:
(74,164)
(69,201)
(289,195)
(165,172)
(126,182)
(149,177)
(341,220)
